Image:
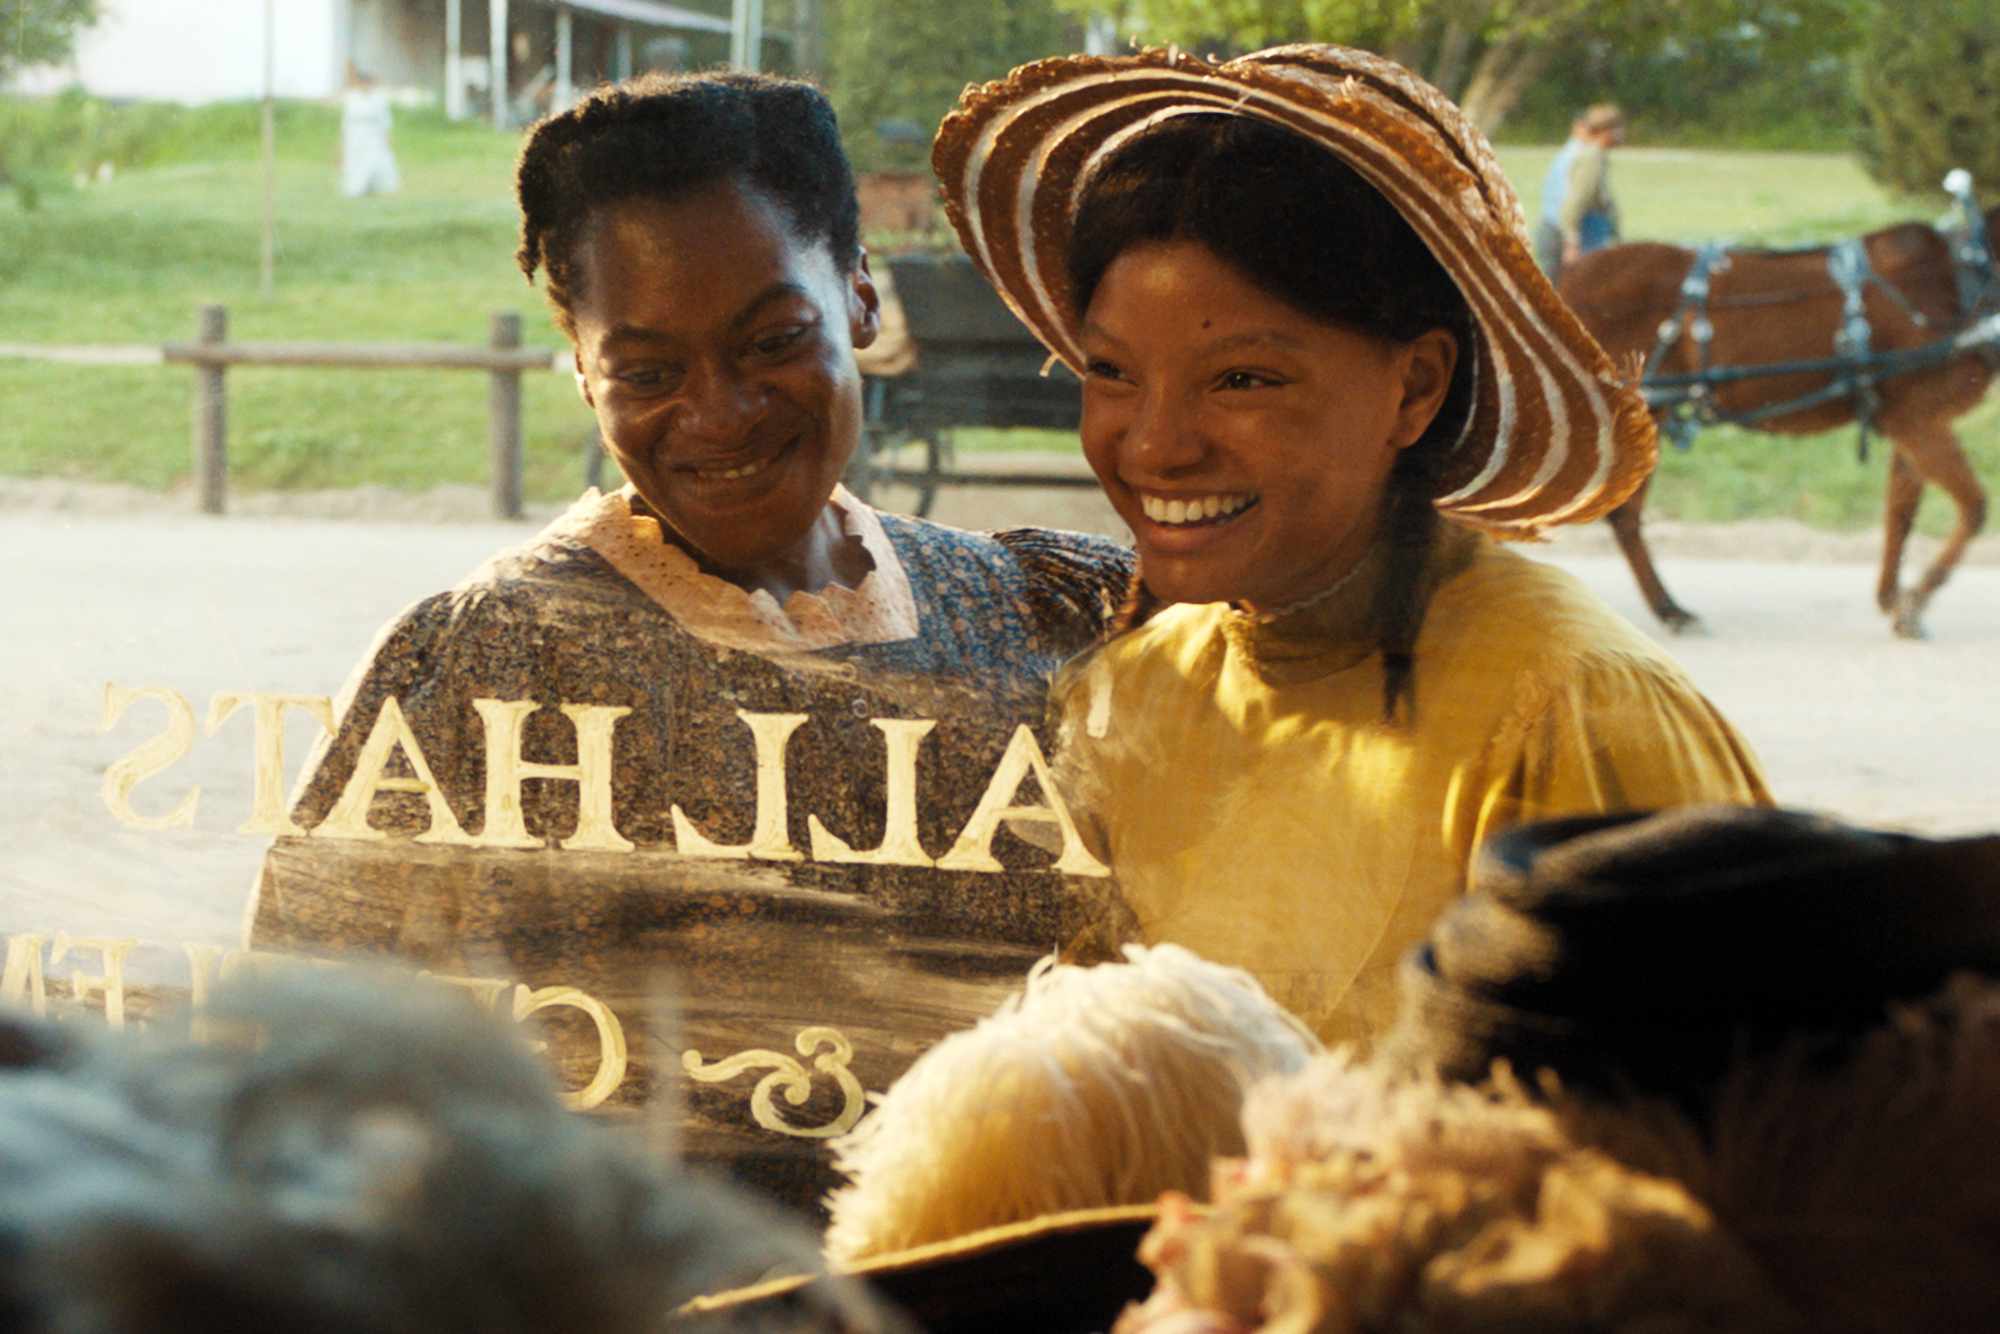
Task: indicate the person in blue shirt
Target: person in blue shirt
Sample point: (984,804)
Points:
(1578,213)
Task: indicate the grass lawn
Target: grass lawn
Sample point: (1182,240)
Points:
(129,261)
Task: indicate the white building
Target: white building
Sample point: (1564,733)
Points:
(449,50)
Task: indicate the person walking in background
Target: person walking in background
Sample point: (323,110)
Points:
(367,163)
(1578,213)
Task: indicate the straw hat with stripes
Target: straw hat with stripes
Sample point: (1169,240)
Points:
(1554,434)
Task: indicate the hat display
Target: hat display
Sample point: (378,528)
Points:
(1553,436)
(1650,952)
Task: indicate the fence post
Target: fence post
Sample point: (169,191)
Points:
(503,407)
(211,415)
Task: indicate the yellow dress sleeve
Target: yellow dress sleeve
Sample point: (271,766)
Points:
(1614,732)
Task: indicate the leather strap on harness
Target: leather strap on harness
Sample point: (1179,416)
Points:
(1688,413)
(1972,250)
(1847,264)
(1686,402)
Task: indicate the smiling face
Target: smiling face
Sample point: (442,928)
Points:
(1247,445)
(717,350)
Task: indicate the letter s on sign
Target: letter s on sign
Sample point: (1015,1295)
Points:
(150,758)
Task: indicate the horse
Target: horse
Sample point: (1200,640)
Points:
(1772,307)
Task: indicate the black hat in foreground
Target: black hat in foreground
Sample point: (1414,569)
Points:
(1647,952)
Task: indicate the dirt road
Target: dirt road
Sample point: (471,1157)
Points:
(1845,718)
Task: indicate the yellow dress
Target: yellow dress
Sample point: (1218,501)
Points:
(1241,782)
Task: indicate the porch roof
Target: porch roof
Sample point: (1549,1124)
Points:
(654,12)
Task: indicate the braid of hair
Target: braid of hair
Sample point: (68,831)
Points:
(1137,608)
(1409,530)
(1410,526)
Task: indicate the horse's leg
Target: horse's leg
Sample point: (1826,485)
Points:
(1899,511)
(1935,455)
(1624,523)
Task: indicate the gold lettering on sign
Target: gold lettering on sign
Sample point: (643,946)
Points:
(974,849)
(267,805)
(204,968)
(770,837)
(611,1053)
(151,757)
(504,822)
(505,827)
(789,1075)
(23,982)
(111,981)
(900,845)
(349,816)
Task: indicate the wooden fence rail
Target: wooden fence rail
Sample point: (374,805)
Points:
(211,354)
(928,402)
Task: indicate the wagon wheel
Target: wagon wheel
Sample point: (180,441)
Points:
(894,471)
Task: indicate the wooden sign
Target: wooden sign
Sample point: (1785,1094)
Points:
(782,876)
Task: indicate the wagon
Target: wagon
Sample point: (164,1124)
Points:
(974,364)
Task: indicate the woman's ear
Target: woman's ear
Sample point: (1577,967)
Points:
(864,304)
(1428,362)
(582,380)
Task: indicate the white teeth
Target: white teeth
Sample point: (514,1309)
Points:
(1191,510)
(730,474)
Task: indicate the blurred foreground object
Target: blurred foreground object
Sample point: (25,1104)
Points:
(1653,953)
(1372,1204)
(1759,1067)
(1067,1273)
(1093,1087)
(373,1164)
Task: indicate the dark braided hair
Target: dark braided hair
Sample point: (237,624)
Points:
(1305,228)
(661,136)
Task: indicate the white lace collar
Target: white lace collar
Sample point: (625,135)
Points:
(880,610)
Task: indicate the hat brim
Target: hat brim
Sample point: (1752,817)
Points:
(1554,435)
(1062,1273)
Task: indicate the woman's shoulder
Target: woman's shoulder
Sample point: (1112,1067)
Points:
(1053,547)
(1504,604)
(1547,647)
(1070,585)
(499,614)
(1180,647)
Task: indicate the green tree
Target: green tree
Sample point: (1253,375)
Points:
(33,32)
(1780,78)
(1484,54)
(1928,73)
(902,64)
(38,32)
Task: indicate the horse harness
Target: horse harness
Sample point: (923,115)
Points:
(1686,402)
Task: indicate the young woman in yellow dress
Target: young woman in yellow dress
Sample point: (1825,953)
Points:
(1321,371)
